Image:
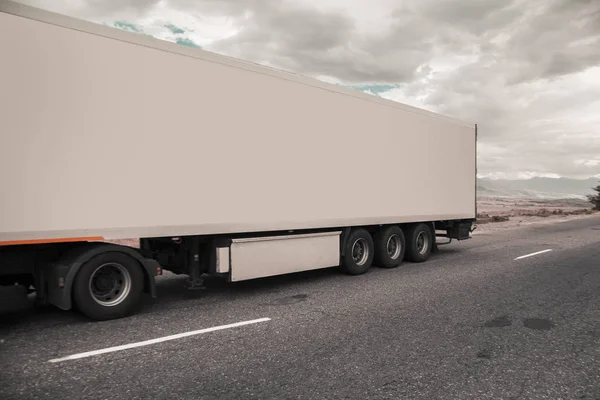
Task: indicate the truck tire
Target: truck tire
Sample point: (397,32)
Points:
(419,242)
(108,286)
(359,252)
(390,246)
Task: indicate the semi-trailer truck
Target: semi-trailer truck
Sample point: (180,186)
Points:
(217,166)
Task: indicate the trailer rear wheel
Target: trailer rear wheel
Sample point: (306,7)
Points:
(108,286)
(419,242)
(390,246)
(359,252)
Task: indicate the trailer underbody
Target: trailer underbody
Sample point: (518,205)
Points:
(105,280)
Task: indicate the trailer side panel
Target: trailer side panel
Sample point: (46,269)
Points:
(106,138)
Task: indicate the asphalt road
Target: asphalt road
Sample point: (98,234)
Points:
(471,323)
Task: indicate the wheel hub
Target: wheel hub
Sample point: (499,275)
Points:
(110,284)
(394,247)
(422,244)
(360,252)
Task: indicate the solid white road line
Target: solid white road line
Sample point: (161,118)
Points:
(533,254)
(157,340)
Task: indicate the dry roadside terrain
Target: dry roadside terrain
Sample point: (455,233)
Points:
(494,214)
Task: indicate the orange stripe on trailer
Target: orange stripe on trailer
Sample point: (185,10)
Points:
(56,240)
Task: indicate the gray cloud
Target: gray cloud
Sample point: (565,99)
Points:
(108,7)
(94,9)
(534,124)
(316,42)
(562,39)
(475,17)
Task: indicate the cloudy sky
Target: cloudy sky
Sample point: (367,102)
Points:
(527,71)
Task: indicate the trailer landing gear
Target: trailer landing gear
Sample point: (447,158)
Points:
(195,281)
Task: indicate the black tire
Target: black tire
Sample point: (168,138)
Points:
(419,242)
(361,261)
(390,247)
(116,267)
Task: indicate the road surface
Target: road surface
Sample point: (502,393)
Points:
(474,322)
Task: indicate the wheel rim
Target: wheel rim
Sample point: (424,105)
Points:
(422,243)
(360,252)
(394,247)
(110,284)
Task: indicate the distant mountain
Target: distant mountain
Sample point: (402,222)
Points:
(537,188)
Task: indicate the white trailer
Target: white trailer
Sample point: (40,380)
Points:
(217,165)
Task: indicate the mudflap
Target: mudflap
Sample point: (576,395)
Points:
(13,298)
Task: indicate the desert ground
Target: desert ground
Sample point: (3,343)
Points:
(494,214)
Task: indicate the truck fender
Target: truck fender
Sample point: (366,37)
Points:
(60,275)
